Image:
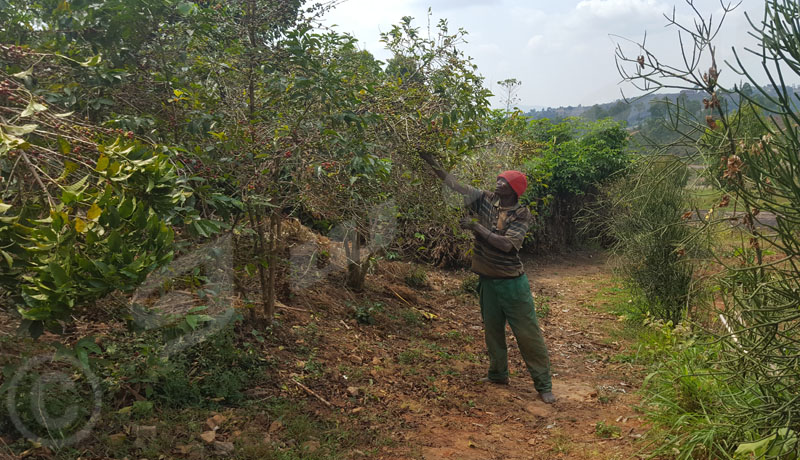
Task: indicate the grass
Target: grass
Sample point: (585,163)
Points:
(562,444)
(704,198)
(542,304)
(417,278)
(607,431)
(612,297)
(410,356)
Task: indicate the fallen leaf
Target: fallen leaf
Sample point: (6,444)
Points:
(117,439)
(213,423)
(208,436)
(275,426)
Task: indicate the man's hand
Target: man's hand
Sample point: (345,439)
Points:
(468,223)
(448,179)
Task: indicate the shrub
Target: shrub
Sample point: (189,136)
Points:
(653,243)
(542,306)
(364,313)
(207,374)
(470,284)
(417,278)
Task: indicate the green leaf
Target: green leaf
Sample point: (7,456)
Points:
(777,445)
(32,327)
(187,8)
(83,357)
(7,257)
(20,130)
(59,274)
(102,163)
(114,241)
(114,168)
(191,320)
(126,208)
(88,343)
(63,146)
(69,168)
(77,187)
(24,73)
(32,108)
(92,61)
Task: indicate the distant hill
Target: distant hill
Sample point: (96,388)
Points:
(634,112)
(648,117)
(637,111)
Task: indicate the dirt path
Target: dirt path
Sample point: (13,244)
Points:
(594,417)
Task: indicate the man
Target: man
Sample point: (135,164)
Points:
(505,295)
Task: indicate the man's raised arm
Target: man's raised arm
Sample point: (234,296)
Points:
(448,178)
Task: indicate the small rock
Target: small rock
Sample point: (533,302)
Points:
(353,391)
(223,448)
(208,436)
(275,426)
(311,446)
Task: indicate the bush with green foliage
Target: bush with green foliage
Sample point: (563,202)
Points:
(212,373)
(753,321)
(417,278)
(470,284)
(85,210)
(644,214)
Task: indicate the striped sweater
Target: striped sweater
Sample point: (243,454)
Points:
(511,222)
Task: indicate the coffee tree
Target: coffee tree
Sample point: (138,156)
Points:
(85,210)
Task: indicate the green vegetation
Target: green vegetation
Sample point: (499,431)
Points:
(161,161)
(723,365)
(417,277)
(644,215)
(604,430)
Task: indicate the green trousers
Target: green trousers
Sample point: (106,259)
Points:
(511,300)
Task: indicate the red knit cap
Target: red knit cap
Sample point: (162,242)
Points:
(516,180)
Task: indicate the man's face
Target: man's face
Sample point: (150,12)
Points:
(503,188)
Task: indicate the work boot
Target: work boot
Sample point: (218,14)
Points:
(497,382)
(547,397)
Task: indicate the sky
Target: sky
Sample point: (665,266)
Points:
(562,51)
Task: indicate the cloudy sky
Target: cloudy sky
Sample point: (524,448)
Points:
(562,51)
